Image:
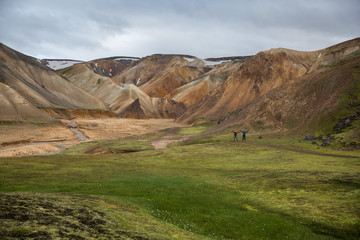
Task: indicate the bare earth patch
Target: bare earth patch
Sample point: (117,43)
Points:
(37,149)
(169,138)
(11,135)
(98,129)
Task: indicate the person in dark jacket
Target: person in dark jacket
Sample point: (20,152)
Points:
(244,135)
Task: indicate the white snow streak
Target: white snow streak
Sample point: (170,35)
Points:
(138,81)
(127,58)
(213,63)
(60,64)
(189,59)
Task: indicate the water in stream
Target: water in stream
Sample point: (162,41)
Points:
(79,134)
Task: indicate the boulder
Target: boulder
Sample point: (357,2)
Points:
(310,137)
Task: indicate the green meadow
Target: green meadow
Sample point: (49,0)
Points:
(207,187)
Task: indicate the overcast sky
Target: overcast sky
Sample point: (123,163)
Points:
(89,29)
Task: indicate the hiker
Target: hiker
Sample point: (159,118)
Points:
(235,135)
(244,135)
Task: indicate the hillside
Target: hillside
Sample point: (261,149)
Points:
(39,85)
(193,92)
(110,67)
(312,103)
(126,100)
(159,74)
(15,108)
(181,86)
(262,73)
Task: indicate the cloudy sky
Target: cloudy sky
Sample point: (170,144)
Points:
(89,29)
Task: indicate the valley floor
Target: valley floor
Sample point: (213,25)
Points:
(205,187)
(25,140)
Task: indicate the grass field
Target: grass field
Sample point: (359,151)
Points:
(206,188)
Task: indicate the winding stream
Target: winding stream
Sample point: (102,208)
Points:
(79,134)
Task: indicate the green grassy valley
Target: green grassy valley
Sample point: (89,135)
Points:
(207,187)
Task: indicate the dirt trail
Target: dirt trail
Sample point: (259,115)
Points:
(168,138)
(300,151)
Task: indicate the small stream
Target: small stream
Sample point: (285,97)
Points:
(79,134)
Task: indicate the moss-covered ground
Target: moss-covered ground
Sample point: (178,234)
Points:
(208,187)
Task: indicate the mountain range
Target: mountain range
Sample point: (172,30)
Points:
(278,89)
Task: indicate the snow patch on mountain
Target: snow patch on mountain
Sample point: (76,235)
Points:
(138,81)
(207,62)
(189,59)
(127,58)
(213,63)
(59,64)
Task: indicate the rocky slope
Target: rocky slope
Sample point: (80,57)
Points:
(126,100)
(193,92)
(263,73)
(274,87)
(313,102)
(110,67)
(159,74)
(97,85)
(15,108)
(39,85)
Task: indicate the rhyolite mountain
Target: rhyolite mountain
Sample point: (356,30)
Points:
(126,99)
(316,100)
(159,74)
(141,88)
(277,88)
(30,86)
(262,73)
(325,100)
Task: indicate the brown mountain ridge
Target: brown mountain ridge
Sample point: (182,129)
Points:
(279,88)
(36,86)
(264,72)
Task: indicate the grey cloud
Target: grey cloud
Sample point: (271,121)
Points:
(31,23)
(92,29)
